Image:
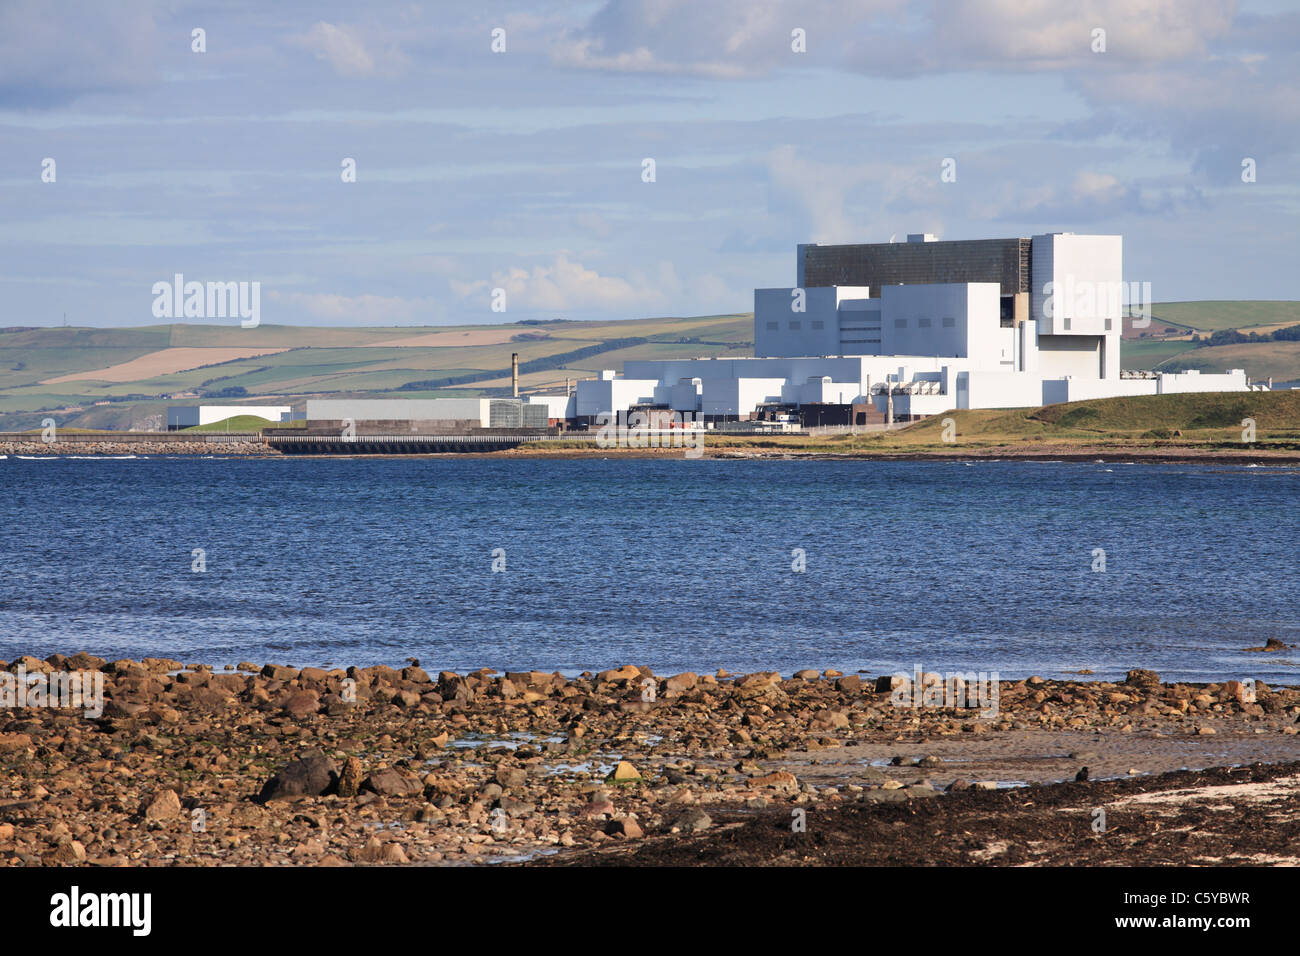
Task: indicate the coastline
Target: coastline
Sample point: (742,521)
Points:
(625,766)
(758,449)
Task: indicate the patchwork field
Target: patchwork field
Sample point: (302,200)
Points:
(123,378)
(164,362)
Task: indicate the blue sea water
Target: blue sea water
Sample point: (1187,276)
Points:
(681,565)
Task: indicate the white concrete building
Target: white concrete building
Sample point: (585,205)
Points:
(1045,327)
(188,416)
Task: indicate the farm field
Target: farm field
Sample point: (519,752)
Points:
(124,378)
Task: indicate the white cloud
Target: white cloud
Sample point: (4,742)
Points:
(340,47)
(334,309)
(564,285)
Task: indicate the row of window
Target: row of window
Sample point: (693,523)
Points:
(925,323)
(796,325)
(817,324)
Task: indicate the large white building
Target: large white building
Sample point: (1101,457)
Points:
(947,325)
(188,416)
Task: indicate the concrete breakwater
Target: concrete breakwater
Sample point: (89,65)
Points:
(134,443)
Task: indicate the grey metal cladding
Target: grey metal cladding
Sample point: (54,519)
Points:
(1004,261)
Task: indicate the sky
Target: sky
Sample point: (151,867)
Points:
(524,169)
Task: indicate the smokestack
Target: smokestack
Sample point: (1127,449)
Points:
(514,373)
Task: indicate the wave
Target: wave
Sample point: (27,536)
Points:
(75,457)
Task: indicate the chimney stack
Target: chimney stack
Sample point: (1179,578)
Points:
(514,373)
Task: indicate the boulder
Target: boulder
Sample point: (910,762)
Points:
(624,827)
(392,783)
(162,806)
(693,819)
(624,772)
(308,777)
(351,778)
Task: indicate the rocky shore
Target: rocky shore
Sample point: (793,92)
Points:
(112,448)
(277,765)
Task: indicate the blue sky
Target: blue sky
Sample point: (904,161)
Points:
(522,170)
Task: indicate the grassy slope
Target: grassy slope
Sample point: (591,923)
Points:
(320,360)
(1211,316)
(1211,417)
(236,423)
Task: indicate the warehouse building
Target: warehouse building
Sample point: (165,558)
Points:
(188,416)
(440,416)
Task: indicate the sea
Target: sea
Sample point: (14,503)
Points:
(1009,567)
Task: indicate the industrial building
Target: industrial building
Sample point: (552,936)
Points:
(444,416)
(188,416)
(915,329)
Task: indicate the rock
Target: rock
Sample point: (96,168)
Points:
(309,777)
(958,785)
(986,785)
(781,780)
(884,795)
(851,684)
(1205,731)
(693,819)
(1141,678)
(392,783)
(275,672)
(625,827)
(891,785)
(163,806)
(376,851)
(628,672)
(67,851)
(6,832)
(302,704)
(1272,644)
(513,778)
(807,674)
(624,772)
(681,682)
(930,760)
(82,661)
(12,743)
(351,778)
(597,808)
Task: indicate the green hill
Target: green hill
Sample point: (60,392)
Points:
(1212,316)
(122,378)
(1199,416)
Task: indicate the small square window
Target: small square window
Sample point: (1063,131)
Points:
(773,326)
(900,323)
(1108,325)
(923,323)
(796,326)
(949,322)
(818,324)
(1067,325)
